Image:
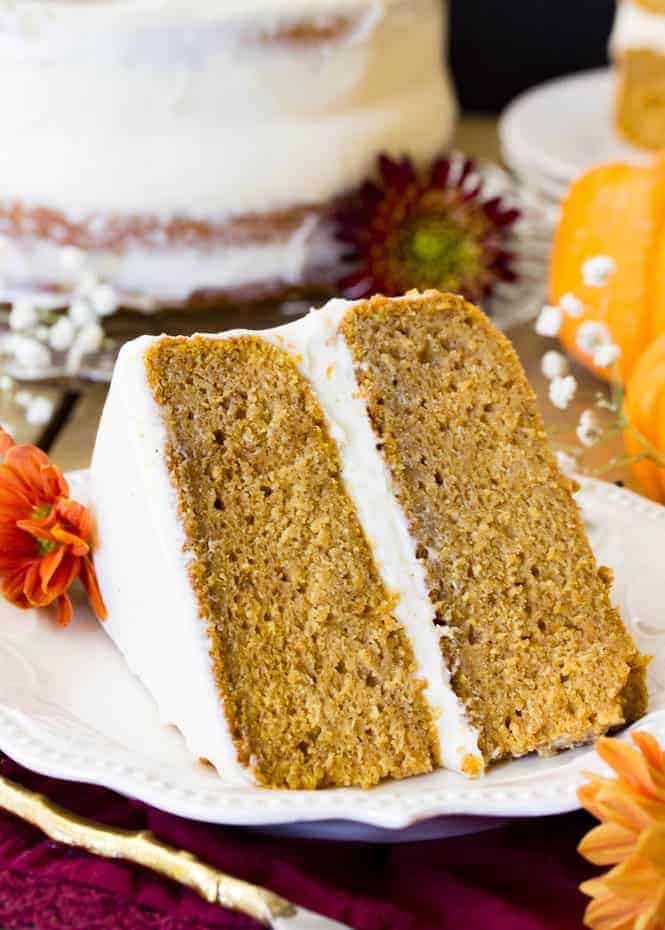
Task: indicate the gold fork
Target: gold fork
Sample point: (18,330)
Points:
(144,849)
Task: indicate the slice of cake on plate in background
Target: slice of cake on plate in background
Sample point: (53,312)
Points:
(637,46)
(341,550)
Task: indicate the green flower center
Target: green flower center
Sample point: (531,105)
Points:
(435,251)
(44,546)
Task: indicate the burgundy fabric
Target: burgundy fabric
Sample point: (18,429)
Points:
(520,877)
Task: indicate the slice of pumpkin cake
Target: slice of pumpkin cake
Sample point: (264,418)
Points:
(341,550)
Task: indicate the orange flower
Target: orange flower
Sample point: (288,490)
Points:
(44,536)
(631,837)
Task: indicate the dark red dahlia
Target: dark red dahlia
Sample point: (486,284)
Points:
(424,231)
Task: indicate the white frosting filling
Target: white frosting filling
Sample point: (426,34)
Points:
(635,27)
(156,623)
(170,107)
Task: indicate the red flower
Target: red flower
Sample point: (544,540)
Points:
(44,536)
(430,231)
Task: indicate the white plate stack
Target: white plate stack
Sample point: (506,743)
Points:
(554,132)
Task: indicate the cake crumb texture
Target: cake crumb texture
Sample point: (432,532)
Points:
(538,655)
(640,103)
(317,676)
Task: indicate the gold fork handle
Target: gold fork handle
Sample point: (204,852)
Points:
(144,849)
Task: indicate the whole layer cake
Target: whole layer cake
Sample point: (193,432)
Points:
(638,47)
(341,550)
(191,146)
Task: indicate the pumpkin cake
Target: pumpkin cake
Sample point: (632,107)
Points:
(638,48)
(341,551)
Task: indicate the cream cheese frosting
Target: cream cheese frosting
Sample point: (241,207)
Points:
(149,502)
(635,28)
(176,108)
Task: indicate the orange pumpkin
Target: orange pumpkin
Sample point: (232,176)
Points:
(617,210)
(644,409)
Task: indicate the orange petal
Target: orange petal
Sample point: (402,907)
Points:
(12,587)
(588,794)
(610,913)
(608,844)
(6,441)
(627,762)
(77,545)
(89,582)
(53,482)
(64,575)
(49,564)
(65,610)
(618,803)
(15,547)
(648,746)
(76,515)
(652,847)
(32,585)
(27,461)
(16,495)
(40,529)
(633,878)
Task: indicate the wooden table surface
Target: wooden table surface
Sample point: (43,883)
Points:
(70,441)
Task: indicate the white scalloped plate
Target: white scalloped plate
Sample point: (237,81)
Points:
(70,708)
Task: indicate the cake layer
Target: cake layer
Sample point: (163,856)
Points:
(540,658)
(167,262)
(640,102)
(205,110)
(317,675)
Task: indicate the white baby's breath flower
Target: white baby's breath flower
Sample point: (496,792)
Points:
(572,306)
(87,282)
(104,299)
(42,332)
(6,383)
(549,321)
(39,411)
(589,429)
(81,312)
(591,335)
(62,334)
(554,365)
(89,339)
(597,270)
(72,258)
(606,355)
(562,391)
(566,462)
(23,314)
(31,354)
